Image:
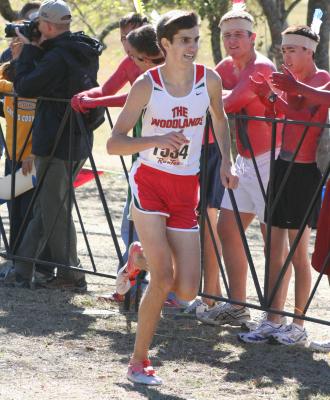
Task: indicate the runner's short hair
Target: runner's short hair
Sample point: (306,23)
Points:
(144,40)
(133,19)
(173,21)
(302,30)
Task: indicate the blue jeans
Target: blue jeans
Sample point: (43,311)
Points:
(124,230)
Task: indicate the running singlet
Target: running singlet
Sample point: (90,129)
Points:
(165,113)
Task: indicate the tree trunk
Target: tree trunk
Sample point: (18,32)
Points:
(213,12)
(215,40)
(276,15)
(322,51)
(7,12)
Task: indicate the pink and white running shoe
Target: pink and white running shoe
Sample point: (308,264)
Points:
(126,276)
(144,373)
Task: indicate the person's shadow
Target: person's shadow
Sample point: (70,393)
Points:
(269,365)
(264,365)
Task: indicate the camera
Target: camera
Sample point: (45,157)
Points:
(27,28)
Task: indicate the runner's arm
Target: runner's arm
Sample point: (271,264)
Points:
(120,143)
(221,128)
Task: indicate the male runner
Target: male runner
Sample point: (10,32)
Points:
(242,61)
(298,46)
(173,100)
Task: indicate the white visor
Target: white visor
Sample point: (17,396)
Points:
(235,24)
(292,39)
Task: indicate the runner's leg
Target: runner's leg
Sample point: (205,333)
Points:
(152,233)
(185,248)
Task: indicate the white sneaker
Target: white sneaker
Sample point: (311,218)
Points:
(127,274)
(192,307)
(323,347)
(5,269)
(249,326)
(261,334)
(143,373)
(204,310)
(291,335)
(226,313)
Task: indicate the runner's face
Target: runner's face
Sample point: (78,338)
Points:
(143,61)
(295,58)
(238,42)
(184,46)
(123,33)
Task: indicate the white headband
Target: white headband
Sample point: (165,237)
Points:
(236,23)
(299,40)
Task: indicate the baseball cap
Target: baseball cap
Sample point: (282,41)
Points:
(55,11)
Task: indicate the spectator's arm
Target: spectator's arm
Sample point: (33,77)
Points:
(116,81)
(37,73)
(106,101)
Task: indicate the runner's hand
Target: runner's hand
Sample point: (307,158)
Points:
(228,179)
(172,140)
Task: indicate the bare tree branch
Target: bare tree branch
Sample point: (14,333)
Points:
(290,8)
(110,27)
(83,18)
(7,12)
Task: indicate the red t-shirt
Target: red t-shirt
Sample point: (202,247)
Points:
(242,100)
(293,133)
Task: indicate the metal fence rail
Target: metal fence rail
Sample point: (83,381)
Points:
(265,297)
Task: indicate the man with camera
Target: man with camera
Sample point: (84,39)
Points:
(55,63)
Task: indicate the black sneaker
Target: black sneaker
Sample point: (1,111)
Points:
(79,286)
(21,282)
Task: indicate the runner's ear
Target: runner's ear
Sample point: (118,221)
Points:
(165,43)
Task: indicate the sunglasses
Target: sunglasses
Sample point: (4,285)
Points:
(155,61)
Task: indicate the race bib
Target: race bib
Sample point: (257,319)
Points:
(173,157)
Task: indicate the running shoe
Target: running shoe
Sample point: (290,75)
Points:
(322,347)
(291,335)
(193,305)
(203,311)
(261,334)
(126,276)
(112,297)
(249,326)
(143,373)
(6,268)
(226,313)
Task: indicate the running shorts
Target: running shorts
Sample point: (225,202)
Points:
(248,194)
(214,186)
(297,194)
(173,196)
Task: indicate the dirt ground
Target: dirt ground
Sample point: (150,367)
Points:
(60,345)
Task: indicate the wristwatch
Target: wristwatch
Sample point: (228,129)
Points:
(272,97)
